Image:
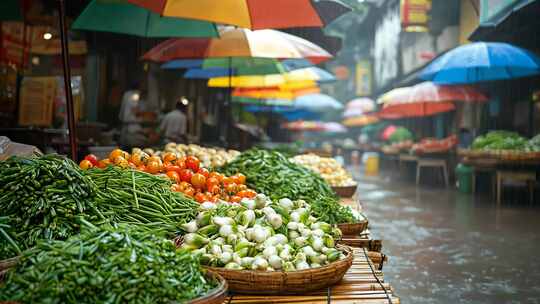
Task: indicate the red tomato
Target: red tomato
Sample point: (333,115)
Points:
(227,181)
(153,167)
(181,164)
(173,175)
(192,163)
(198,181)
(235,199)
(204,172)
(200,197)
(217,175)
(92,158)
(185,175)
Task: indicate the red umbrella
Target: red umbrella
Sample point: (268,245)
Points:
(252,14)
(426,99)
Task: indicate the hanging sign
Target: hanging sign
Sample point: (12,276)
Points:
(415,15)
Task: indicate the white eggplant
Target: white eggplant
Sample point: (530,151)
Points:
(317,232)
(286,203)
(300,241)
(191,226)
(317,243)
(275,220)
(292,226)
(269,251)
(226,230)
(281,239)
(259,263)
(222,220)
(225,257)
(275,262)
(293,234)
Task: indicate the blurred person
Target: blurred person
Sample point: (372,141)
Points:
(131,131)
(173,127)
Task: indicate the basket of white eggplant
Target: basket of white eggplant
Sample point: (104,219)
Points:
(265,247)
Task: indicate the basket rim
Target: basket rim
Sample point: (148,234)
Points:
(345,187)
(344,248)
(219,290)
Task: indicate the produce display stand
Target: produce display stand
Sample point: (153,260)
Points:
(362,283)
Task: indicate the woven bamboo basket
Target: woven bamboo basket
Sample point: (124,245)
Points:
(216,295)
(5,265)
(280,282)
(345,192)
(354,228)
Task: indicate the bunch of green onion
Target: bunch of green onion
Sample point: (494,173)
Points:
(259,234)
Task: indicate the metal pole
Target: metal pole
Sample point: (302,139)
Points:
(67,82)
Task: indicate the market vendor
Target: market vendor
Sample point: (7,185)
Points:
(173,127)
(132,132)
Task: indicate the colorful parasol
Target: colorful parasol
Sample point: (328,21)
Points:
(363,103)
(274,92)
(235,42)
(252,14)
(302,76)
(360,121)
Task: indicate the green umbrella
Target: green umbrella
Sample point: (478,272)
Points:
(120,17)
(261,102)
(253,66)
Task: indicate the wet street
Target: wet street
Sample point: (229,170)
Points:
(448,247)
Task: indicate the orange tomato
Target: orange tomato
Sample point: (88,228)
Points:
(104,163)
(242,187)
(176,188)
(171,167)
(132,165)
(200,197)
(153,167)
(192,163)
(85,164)
(227,181)
(184,185)
(198,180)
(231,188)
(216,175)
(181,164)
(214,189)
(141,167)
(241,178)
(235,199)
(211,181)
(169,157)
(155,158)
(115,153)
(173,175)
(250,193)
(189,191)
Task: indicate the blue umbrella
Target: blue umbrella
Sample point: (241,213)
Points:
(296,63)
(290,113)
(317,103)
(197,73)
(182,64)
(482,61)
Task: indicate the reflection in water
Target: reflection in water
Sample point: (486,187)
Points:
(448,247)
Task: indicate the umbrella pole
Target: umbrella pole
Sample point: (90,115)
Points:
(67,82)
(228,111)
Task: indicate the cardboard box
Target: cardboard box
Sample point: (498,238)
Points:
(36,101)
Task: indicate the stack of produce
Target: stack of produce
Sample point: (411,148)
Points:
(185,172)
(42,198)
(107,265)
(327,167)
(506,144)
(400,134)
(432,145)
(210,157)
(262,235)
(129,196)
(272,173)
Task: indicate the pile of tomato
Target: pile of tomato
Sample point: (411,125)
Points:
(185,172)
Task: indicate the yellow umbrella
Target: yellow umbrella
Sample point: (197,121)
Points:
(296,79)
(399,93)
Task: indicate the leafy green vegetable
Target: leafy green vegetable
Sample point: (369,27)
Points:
(500,140)
(107,265)
(272,173)
(401,134)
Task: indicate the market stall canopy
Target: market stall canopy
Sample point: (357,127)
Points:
(351,112)
(482,61)
(415,110)
(304,126)
(288,64)
(235,42)
(334,127)
(289,113)
(363,103)
(120,17)
(251,14)
(274,92)
(360,121)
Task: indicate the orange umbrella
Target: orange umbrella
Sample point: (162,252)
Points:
(252,14)
(360,121)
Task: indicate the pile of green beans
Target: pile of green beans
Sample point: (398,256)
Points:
(135,197)
(271,173)
(41,198)
(123,264)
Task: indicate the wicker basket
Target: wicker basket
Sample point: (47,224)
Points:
(5,265)
(354,228)
(280,282)
(216,295)
(346,192)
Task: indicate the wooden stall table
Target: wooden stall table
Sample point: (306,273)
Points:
(404,159)
(437,160)
(526,171)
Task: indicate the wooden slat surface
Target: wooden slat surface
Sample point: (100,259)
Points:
(362,284)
